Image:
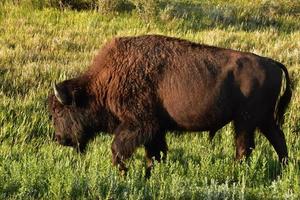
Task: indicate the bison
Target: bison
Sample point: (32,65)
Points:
(138,88)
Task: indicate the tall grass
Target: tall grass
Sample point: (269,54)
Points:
(40,45)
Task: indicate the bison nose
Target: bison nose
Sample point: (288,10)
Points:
(68,142)
(63,140)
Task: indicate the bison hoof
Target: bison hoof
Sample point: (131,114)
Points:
(123,172)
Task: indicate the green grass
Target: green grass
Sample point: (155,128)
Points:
(40,46)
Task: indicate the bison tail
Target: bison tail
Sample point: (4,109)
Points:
(284,96)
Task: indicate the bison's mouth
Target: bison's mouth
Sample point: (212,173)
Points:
(69,143)
(64,141)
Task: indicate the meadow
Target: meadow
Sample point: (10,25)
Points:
(42,44)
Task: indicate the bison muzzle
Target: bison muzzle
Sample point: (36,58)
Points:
(138,88)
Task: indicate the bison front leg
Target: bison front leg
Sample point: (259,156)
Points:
(212,134)
(153,150)
(129,136)
(120,153)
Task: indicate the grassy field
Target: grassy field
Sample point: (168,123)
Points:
(41,45)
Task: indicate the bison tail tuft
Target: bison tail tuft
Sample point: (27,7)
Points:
(284,96)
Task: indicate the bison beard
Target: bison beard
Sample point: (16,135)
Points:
(138,88)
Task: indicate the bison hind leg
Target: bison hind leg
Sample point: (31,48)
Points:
(276,137)
(244,139)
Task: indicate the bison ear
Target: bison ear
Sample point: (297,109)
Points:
(79,98)
(62,94)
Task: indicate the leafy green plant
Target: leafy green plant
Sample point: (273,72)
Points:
(147,9)
(113,6)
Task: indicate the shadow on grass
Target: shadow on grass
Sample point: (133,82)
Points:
(180,155)
(268,171)
(3,73)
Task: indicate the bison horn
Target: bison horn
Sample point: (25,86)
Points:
(57,93)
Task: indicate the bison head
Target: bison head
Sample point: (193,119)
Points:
(71,117)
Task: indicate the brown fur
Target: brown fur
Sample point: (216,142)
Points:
(140,87)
